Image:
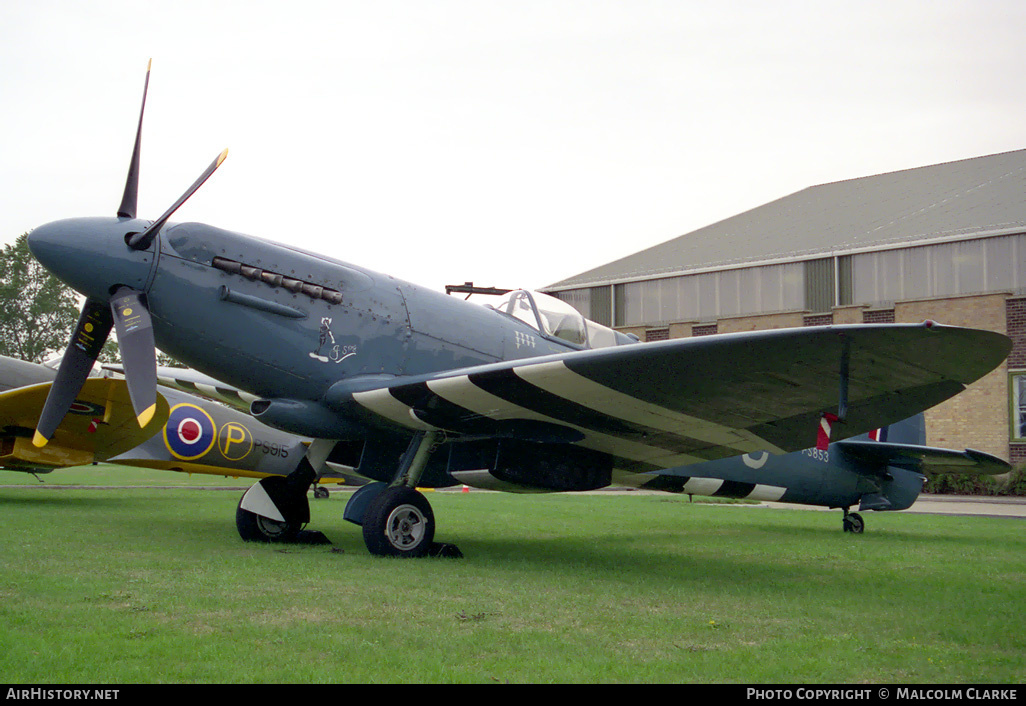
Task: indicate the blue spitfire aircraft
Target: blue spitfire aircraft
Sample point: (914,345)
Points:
(186,433)
(414,388)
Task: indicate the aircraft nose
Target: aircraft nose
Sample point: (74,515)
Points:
(45,244)
(90,254)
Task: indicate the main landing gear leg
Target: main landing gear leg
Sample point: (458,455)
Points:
(276,508)
(399,520)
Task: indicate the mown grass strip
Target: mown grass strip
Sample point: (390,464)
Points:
(127,586)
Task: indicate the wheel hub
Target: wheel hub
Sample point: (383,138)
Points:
(271,528)
(406,527)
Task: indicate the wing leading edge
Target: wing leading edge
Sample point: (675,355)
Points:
(684,401)
(100,424)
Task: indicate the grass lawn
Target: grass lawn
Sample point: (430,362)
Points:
(144,585)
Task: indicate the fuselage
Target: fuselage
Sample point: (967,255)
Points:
(271,320)
(278,322)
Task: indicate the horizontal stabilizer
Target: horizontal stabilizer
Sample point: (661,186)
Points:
(924,459)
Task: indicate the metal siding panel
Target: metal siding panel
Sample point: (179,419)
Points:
(819,285)
(601,305)
(966,197)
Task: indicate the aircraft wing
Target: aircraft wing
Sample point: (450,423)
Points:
(100,424)
(683,401)
(196,383)
(924,459)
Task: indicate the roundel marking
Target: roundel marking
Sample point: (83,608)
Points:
(87,408)
(752,462)
(234,441)
(189,432)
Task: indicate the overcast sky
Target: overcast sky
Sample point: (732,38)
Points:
(512,143)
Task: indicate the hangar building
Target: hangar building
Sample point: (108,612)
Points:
(945,242)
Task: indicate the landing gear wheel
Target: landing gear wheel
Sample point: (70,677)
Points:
(853,523)
(257,528)
(399,522)
(320,491)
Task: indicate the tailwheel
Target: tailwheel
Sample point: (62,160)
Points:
(399,522)
(275,509)
(853,522)
(257,528)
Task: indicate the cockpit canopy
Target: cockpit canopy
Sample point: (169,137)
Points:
(557,319)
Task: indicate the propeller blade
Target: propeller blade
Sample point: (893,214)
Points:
(87,340)
(135,338)
(141,241)
(129,200)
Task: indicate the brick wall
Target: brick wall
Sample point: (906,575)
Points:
(1015,315)
(818,320)
(849,314)
(761,322)
(978,417)
(878,316)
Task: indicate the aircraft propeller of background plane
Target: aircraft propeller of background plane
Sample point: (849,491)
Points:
(414,388)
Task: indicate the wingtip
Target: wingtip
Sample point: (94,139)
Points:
(146,415)
(38,440)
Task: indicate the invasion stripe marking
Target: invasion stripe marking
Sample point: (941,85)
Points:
(509,386)
(516,391)
(383,403)
(734,489)
(208,390)
(230,395)
(703,486)
(560,380)
(710,487)
(771,493)
(460,390)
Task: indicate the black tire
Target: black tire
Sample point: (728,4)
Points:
(854,523)
(256,528)
(399,522)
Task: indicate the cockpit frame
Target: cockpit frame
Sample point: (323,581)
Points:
(556,320)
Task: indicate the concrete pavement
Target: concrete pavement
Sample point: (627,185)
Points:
(983,506)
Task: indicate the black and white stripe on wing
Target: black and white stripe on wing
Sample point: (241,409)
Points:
(609,421)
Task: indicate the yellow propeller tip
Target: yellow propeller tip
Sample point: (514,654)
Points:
(146,415)
(221,157)
(39,441)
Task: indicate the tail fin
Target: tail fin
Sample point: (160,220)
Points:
(907,431)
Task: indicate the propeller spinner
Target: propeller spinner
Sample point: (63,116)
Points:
(120,306)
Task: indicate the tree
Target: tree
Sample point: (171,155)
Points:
(37,311)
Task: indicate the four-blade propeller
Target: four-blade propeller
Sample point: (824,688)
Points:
(125,311)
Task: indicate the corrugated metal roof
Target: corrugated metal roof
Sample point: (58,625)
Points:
(956,199)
